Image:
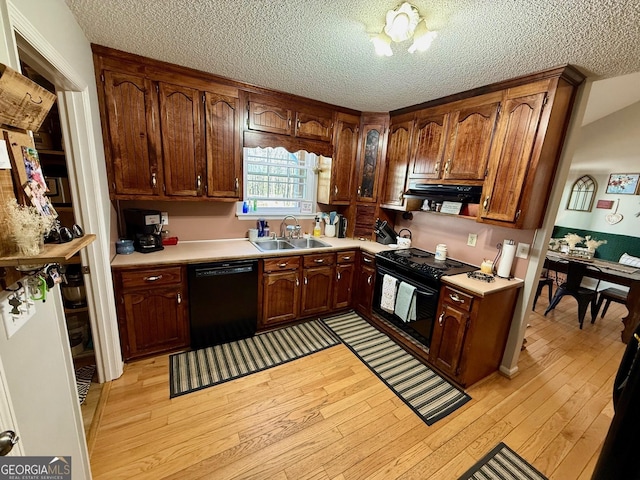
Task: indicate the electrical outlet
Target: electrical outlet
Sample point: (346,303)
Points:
(523,250)
(473,238)
(164,218)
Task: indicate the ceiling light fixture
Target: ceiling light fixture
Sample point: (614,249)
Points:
(402,24)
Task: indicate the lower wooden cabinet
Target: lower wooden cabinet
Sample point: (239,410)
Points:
(280,291)
(345,273)
(153,314)
(365,281)
(317,284)
(470,333)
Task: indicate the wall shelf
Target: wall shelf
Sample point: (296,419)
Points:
(52,253)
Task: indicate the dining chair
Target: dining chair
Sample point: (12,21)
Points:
(543,281)
(610,295)
(573,286)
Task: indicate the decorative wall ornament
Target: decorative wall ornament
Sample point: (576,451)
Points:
(623,183)
(582,194)
(615,217)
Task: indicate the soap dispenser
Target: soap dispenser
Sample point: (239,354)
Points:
(316,229)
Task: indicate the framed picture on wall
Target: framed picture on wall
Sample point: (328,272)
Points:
(623,183)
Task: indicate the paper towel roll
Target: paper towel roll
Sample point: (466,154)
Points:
(506,259)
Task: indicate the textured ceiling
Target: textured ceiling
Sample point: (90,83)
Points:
(320,48)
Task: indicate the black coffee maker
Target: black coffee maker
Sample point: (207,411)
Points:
(144,227)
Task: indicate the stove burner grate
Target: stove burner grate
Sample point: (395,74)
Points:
(484,277)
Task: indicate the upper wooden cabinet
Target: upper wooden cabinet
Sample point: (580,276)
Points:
(398,151)
(272,115)
(371,156)
(182,140)
(132,141)
(335,179)
(452,142)
(167,135)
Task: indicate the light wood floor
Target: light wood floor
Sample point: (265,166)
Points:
(327,417)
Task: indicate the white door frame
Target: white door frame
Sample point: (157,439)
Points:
(85,186)
(7,415)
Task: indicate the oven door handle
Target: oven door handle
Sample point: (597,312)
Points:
(421,290)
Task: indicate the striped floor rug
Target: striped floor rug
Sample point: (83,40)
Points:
(198,369)
(423,390)
(84,375)
(502,463)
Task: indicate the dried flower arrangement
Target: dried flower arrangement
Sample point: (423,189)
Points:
(573,239)
(27,226)
(592,244)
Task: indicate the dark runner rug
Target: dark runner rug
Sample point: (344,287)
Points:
(429,395)
(502,463)
(83,381)
(198,369)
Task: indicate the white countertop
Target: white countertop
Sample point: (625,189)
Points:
(239,248)
(480,287)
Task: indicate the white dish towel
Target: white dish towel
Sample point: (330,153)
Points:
(406,302)
(389,289)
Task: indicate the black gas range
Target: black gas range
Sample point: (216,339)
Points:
(421,270)
(421,265)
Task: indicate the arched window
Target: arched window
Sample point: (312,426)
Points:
(582,194)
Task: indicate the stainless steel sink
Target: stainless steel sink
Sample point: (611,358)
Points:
(308,243)
(271,245)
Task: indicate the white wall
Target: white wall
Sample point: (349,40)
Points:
(609,145)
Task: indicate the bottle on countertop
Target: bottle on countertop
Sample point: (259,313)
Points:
(316,229)
(266,229)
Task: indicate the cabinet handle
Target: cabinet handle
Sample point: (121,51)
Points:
(282,265)
(485,204)
(335,190)
(298,125)
(367,260)
(441,318)
(346,259)
(179,299)
(319,260)
(153,278)
(297,282)
(437,169)
(338,276)
(359,190)
(306,281)
(369,279)
(198,182)
(154,180)
(289,122)
(456,298)
(237,184)
(401,196)
(446,166)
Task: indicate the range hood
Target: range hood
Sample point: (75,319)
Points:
(438,192)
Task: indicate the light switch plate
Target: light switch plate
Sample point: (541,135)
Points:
(523,250)
(473,238)
(164,218)
(26,309)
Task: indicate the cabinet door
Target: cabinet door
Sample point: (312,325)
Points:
(317,285)
(448,338)
(370,160)
(365,283)
(343,286)
(269,117)
(223,146)
(156,320)
(428,146)
(182,140)
(281,297)
(397,163)
(510,158)
(344,158)
(470,135)
(314,126)
(134,143)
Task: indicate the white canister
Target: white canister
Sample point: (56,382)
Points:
(329,230)
(253,234)
(441,251)
(403,242)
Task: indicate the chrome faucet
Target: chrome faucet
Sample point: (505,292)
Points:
(292,230)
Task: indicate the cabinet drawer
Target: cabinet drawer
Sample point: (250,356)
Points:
(282,263)
(152,277)
(460,299)
(348,256)
(319,259)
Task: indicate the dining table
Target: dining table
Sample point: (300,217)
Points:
(612,272)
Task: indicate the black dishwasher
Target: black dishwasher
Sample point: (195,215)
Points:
(223,301)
